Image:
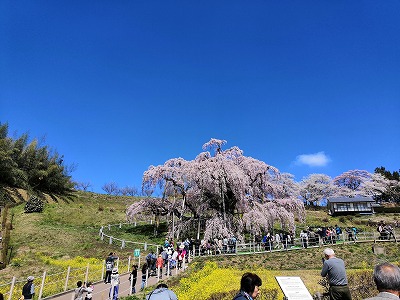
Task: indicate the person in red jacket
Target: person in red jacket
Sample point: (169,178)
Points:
(159,265)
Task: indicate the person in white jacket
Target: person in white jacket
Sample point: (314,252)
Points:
(114,285)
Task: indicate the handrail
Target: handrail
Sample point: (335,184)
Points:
(15,286)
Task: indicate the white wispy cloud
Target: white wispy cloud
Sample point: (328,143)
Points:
(319,159)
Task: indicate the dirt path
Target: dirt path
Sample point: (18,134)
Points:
(101,289)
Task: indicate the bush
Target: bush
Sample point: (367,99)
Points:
(34,204)
(383,210)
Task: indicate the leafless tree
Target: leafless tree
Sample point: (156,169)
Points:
(110,188)
(83,185)
(129,191)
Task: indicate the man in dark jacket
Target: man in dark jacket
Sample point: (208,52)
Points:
(249,287)
(28,290)
(109,266)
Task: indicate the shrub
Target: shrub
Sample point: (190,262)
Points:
(214,283)
(34,204)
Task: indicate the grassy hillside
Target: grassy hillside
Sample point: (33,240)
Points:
(66,228)
(69,228)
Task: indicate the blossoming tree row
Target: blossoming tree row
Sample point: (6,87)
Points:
(225,193)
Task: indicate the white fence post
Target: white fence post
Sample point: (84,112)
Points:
(87,273)
(129,263)
(42,285)
(110,241)
(12,288)
(102,272)
(168,268)
(67,278)
(131,283)
(147,275)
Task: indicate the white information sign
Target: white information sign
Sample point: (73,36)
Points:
(293,288)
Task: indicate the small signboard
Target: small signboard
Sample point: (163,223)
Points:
(293,288)
(136,253)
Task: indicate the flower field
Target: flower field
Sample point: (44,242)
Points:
(69,272)
(212,282)
(221,283)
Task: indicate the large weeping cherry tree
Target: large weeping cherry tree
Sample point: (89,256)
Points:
(228,192)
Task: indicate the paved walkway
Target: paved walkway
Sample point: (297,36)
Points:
(101,290)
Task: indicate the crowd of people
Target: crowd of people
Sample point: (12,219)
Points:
(386,231)
(171,256)
(386,277)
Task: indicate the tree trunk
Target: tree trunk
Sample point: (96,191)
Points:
(173,219)
(156,224)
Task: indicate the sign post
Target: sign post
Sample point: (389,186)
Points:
(136,253)
(293,288)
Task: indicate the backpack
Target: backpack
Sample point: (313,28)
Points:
(78,293)
(109,265)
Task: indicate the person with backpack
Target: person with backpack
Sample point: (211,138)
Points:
(28,290)
(109,266)
(113,295)
(80,289)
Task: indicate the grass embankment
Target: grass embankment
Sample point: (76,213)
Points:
(219,277)
(69,229)
(64,230)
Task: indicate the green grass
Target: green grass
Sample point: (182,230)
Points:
(70,228)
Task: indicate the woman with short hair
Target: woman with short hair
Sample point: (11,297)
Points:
(249,287)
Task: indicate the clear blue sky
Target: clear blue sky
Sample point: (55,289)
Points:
(117,86)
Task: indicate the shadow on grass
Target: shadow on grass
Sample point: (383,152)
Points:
(146,229)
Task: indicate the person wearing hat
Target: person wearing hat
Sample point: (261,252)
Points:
(114,284)
(28,290)
(181,255)
(159,265)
